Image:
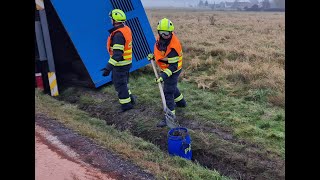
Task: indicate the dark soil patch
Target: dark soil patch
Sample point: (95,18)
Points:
(179,133)
(248,162)
(92,153)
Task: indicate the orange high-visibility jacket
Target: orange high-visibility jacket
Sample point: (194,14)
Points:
(127,51)
(158,55)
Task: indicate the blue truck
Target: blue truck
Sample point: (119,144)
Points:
(71,39)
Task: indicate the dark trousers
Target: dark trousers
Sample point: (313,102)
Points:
(171,90)
(120,79)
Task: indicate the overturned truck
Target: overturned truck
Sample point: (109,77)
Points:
(71,36)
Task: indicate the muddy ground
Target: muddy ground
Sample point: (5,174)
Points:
(105,164)
(248,162)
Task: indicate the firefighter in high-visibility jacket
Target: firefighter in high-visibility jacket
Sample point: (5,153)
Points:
(168,56)
(119,46)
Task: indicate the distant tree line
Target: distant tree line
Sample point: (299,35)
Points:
(263,5)
(280,3)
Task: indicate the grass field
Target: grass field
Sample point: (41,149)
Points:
(238,58)
(239,53)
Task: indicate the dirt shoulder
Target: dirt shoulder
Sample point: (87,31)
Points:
(79,157)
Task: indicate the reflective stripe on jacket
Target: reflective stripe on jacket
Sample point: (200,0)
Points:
(160,55)
(127,48)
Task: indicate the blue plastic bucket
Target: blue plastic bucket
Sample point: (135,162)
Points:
(179,143)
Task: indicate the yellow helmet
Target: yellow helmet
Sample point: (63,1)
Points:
(165,25)
(118,15)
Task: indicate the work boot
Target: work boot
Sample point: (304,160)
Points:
(133,99)
(125,107)
(162,123)
(181,103)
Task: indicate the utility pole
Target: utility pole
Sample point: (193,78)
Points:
(46,64)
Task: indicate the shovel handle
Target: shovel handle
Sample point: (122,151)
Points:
(160,87)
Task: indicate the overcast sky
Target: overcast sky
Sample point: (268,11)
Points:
(175,3)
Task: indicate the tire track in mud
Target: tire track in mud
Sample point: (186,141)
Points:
(248,162)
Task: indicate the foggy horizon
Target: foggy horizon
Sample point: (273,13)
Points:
(182,3)
(175,3)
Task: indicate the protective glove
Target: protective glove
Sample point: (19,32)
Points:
(160,79)
(106,72)
(150,57)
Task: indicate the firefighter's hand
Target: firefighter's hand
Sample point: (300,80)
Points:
(106,72)
(150,57)
(159,80)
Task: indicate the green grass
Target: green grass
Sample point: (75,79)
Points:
(142,153)
(255,121)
